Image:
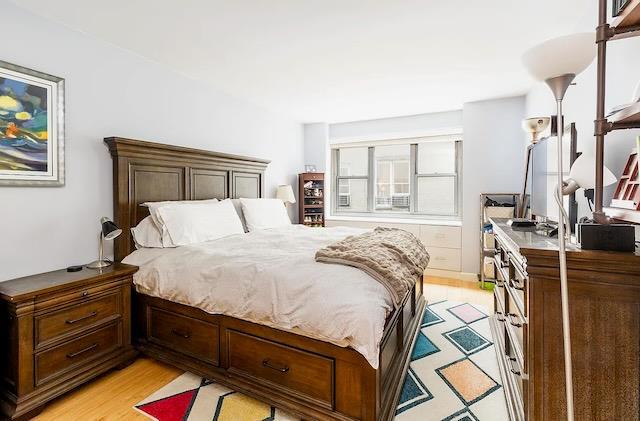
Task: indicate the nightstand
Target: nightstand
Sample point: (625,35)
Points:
(58,330)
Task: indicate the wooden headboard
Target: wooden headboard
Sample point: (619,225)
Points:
(152,172)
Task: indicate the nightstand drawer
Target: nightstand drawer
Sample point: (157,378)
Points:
(61,359)
(74,318)
(51,301)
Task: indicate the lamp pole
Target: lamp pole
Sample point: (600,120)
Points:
(559,86)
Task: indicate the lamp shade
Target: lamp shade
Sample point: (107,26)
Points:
(109,229)
(285,193)
(583,172)
(570,54)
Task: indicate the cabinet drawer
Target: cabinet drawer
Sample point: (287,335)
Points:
(74,318)
(282,367)
(60,359)
(444,259)
(184,334)
(441,236)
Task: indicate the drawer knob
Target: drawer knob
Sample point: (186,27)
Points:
(180,333)
(85,293)
(513,369)
(268,364)
(82,351)
(514,285)
(79,319)
(514,320)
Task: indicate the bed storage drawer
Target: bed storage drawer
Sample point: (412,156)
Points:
(282,367)
(184,334)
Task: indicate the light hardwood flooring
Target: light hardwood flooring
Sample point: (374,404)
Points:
(112,396)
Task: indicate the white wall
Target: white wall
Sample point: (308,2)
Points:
(316,136)
(493,161)
(396,127)
(623,73)
(111,92)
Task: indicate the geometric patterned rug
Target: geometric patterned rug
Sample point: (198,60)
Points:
(453,375)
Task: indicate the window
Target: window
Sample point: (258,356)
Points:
(416,177)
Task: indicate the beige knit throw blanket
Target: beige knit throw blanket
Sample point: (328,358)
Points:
(392,256)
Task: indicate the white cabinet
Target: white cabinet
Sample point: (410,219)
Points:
(443,242)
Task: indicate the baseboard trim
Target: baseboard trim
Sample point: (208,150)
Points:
(463,276)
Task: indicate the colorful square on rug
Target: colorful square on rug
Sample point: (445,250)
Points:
(467,340)
(430,318)
(423,347)
(414,392)
(468,380)
(467,313)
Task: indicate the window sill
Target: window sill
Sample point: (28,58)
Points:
(394,220)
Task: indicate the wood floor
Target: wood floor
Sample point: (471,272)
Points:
(112,396)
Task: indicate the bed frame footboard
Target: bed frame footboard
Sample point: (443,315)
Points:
(306,377)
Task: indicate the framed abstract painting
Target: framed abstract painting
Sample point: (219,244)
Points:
(31,127)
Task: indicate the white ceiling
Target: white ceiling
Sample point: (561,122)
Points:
(333,60)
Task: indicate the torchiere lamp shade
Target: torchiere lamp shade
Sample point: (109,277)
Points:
(570,54)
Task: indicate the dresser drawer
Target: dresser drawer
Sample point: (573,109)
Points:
(282,367)
(74,318)
(184,334)
(61,359)
(518,287)
(444,259)
(516,328)
(441,236)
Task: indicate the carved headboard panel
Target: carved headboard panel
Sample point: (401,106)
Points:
(152,172)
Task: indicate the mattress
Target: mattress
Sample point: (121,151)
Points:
(270,277)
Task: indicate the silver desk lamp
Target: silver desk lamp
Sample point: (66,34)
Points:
(109,231)
(557,62)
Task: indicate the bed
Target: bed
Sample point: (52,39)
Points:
(311,376)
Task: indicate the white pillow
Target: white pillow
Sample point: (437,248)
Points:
(264,213)
(197,223)
(153,212)
(146,234)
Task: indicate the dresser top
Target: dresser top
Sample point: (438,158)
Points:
(31,286)
(527,242)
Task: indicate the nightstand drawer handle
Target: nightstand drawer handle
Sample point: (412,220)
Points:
(181,334)
(85,293)
(88,316)
(266,363)
(82,351)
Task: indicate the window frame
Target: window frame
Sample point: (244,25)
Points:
(414,176)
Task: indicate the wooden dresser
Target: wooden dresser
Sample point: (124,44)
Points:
(604,299)
(58,330)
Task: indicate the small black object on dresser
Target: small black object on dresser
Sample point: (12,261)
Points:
(58,330)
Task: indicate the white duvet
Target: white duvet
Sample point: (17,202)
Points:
(270,277)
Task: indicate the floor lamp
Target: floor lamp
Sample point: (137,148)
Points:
(557,62)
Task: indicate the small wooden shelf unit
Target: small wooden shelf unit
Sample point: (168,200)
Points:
(311,194)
